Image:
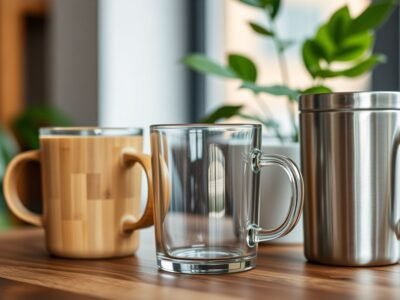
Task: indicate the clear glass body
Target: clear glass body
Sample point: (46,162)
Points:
(206,190)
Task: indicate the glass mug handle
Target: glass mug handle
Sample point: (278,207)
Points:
(259,160)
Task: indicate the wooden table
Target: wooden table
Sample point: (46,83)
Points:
(28,272)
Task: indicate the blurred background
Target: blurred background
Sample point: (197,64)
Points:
(118,62)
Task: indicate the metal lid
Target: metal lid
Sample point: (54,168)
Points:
(350,101)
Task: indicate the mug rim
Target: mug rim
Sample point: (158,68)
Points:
(204,126)
(86,131)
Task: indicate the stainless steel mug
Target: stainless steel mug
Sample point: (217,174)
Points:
(206,189)
(349,149)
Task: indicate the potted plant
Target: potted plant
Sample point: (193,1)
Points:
(8,148)
(341,47)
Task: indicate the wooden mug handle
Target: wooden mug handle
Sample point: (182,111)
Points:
(10,187)
(128,223)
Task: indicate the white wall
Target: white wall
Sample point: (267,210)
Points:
(141,79)
(215,49)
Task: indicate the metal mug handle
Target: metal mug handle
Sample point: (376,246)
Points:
(393,179)
(259,160)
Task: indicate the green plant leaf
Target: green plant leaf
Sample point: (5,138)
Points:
(324,43)
(243,67)
(344,39)
(356,70)
(318,89)
(223,112)
(311,55)
(338,24)
(8,148)
(326,73)
(257,3)
(354,47)
(364,66)
(203,64)
(261,29)
(373,16)
(276,90)
(26,125)
(272,6)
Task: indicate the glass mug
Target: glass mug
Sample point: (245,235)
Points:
(206,191)
(91,180)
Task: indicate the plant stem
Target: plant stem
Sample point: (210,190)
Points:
(281,57)
(263,105)
(258,119)
(268,110)
(282,63)
(285,80)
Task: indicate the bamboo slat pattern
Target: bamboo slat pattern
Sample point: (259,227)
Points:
(87,191)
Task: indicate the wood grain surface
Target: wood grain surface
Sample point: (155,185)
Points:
(11,289)
(282,273)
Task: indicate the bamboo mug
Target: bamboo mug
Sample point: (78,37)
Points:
(91,179)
